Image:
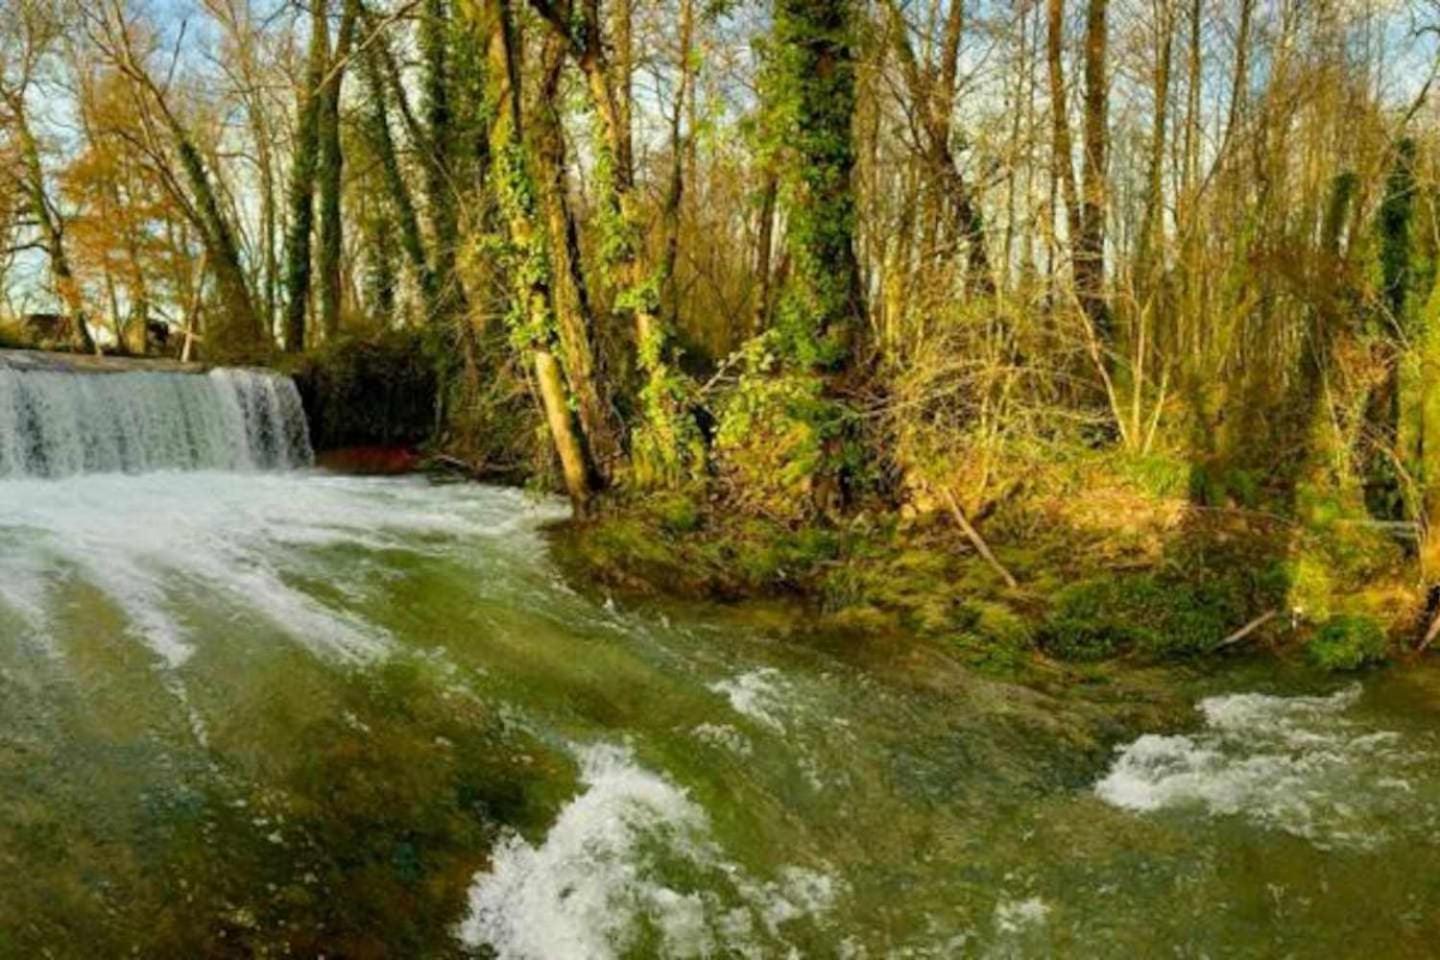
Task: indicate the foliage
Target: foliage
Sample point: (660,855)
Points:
(368,392)
(782,446)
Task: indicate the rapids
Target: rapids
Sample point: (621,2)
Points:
(276,712)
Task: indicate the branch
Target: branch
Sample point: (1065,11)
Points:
(1246,630)
(978,541)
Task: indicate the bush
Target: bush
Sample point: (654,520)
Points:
(1347,642)
(379,391)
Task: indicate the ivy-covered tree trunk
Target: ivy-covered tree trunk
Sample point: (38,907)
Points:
(812,99)
(528,262)
(1392,410)
(665,446)
(575,321)
(238,335)
(302,183)
(329,175)
(1429,415)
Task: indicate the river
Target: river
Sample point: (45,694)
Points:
(291,713)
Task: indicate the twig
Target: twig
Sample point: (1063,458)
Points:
(1246,630)
(978,541)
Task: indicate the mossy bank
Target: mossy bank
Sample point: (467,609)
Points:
(1109,567)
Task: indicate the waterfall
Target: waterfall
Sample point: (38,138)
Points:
(56,424)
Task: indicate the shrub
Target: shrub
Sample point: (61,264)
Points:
(379,391)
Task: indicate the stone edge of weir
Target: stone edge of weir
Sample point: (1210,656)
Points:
(53,362)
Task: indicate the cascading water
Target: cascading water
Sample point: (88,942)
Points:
(56,424)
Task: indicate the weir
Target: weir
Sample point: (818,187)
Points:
(62,415)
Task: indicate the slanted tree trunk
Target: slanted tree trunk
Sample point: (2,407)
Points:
(663,448)
(377,130)
(933,91)
(533,319)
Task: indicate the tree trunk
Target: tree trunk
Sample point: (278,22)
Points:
(1061,150)
(1090,251)
(765,252)
(574,318)
(377,130)
(67,290)
(531,276)
(1152,227)
(441,208)
(823,308)
(330,177)
(302,183)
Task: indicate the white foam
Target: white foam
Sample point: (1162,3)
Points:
(238,540)
(725,737)
(1297,764)
(1015,916)
(758,694)
(630,864)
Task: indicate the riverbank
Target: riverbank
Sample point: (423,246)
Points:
(1099,568)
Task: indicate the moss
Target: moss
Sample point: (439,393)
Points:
(1159,475)
(1147,614)
(1220,485)
(677,512)
(1311,586)
(1347,642)
(1001,622)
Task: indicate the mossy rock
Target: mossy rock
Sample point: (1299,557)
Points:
(1347,642)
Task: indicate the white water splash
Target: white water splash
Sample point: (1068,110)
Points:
(1297,764)
(759,694)
(150,544)
(629,865)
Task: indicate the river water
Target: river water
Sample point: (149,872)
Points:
(251,714)
(299,714)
